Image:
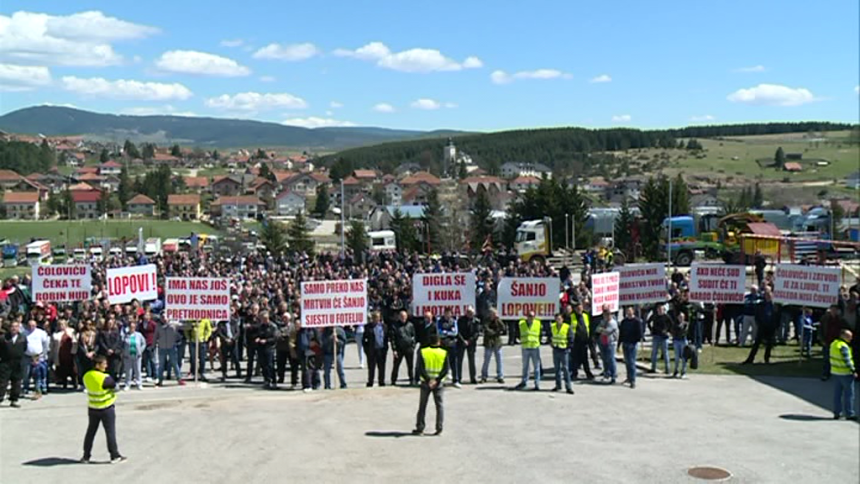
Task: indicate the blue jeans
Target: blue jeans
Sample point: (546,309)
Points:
(38,372)
(149,363)
(198,359)
(659,342)
(328,360)
(806,344)
(488,353)
(843,395)
(629,350)
(607,353)
(533,355)
(678,346)
(560,359)
(163,355)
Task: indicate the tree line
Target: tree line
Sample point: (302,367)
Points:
(26,158)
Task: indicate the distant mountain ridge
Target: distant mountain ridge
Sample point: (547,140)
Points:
(198,131)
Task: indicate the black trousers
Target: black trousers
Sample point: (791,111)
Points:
(766,336)
(114,366)
(107,418)
(310,371)
(579,357)
(468,352)
(266,355)
(409,356)
(376,361)
(7,376)
(281,357)
(513,332)
(249,367)
(229,353)
(728,320)
(438,393)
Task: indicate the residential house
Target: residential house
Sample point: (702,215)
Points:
(9,179)
(513,169)
(196,183)
(110,168)
(421,178)
(91,178)
(21,205)
(161,158)
(227,186)
(366,177)
(289,203)
(110,183)
(792,166)
(241,207)
(263,188)
(596,185)
(86,169)
(86,203)
(407,169)
(185,206)
(141,205)
(360,206)
(306,183)
(381,216)
(393,193)
(853,180)
(352,186)
(52,180)
(415,195)
(81,187)
(523,183)
(494,187)
(626,189)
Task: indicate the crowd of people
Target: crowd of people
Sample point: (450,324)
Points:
(53,345)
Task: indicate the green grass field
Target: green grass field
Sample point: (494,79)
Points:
(72,233)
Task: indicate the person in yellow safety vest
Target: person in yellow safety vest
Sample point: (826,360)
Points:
(101,393)
(844,372)
(198,334)
(432,367)
(580,324)
(530,335)
(562,342)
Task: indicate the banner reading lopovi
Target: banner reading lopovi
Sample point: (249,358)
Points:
(61,283)
(814,286)
(604,290)
(196,298)
(517,296)
(125,284)
(334,303)
(438,292)
(717,283)
(642,284)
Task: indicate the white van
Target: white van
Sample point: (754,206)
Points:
(382,240)
(96,253)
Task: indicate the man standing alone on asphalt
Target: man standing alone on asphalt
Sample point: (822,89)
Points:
(101,393)
(630,334)
(530,329)
(432,368)
(844,372)
(562,341)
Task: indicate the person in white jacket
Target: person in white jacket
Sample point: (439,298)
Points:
(133,345)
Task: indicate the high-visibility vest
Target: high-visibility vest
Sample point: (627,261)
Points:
(574,322)
(99,398)
(559,335)
(837,362)
(434,360)
(530,333)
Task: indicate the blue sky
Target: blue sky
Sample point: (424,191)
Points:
(472,65)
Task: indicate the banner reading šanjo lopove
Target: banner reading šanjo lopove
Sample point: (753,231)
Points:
(196,298)
(446,290)
(717,283)
(813,286)
(517,296)
(642,284)
(61,283)
(604,290)
(334,303)
(124,284)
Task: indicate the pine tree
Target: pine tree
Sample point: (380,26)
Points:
(321,205)
(462,173)
(404,232)
(356,239)
(432,219)
(274,237)
(779,159)
(266,173)
(654,207)
(125,187)
(148,151)
(623,225)
(104,157)
(298,236)
(758,197)
(745,199)
(47,156)
(176,151)
(130,150)
(481,225)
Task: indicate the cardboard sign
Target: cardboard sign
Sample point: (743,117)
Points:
(196,298)
(438,292)
(61,283)
(813,286)
(125,284)
(717,283)
(517,296)
(604,290)
(334,303)
(642,284)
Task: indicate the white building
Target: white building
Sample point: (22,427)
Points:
(513,169)
(289,203)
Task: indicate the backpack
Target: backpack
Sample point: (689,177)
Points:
(692,356)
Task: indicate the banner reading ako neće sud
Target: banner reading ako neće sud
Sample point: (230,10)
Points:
(61,283)
(717,283)
(813,286)
(334,303)
(446,290)
(517,296)
(196,298)
(125,284)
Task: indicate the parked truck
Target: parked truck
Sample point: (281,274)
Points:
(152,247)
(10,254)
(39,252)
(381,240)
(714,237)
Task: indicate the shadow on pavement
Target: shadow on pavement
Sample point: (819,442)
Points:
(804,418)
(812,390)
(51,462)
(493,387)
(388,433)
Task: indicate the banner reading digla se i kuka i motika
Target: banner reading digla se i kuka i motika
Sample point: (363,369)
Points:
(446,290)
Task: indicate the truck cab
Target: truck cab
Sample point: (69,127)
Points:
(532,242)
(381,240)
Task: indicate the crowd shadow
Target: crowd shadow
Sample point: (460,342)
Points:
(52,462)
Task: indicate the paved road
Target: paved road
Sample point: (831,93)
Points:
(772,430)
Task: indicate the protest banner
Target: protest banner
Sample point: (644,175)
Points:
(334,303)
(438,292)
(813,286)
(61,283)
(125,284)
(642,284)
(517,296)
(604,290)
(717,283)
(196,298)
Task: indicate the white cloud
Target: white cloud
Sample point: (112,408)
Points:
(758,68)
(502,77)
(329,113)
(167,109)
(335,105)
(255,101)
(384,108)
(857,89)
(601,79)
(23,78)
(412,60)
(622,118)
(292,52)
(451,105)
(232,42)
(426,104)
(699,119)
(126,89)
(314,122)
(200,63)
(267,79)
(772,95)
(80,39)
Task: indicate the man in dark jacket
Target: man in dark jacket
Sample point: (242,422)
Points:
(449,334)
(425,331)
(630,334)
(766,319)
(12,349)
(227,332)
(403,343)
(376,347)
(267,338)
(109,345)
(470,331)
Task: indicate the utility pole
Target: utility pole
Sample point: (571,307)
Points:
(342,220)
(669,226)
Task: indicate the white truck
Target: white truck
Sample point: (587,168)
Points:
(532,241)
(152,247)
(39,252)
(381,240)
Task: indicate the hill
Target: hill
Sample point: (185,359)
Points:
(196,131)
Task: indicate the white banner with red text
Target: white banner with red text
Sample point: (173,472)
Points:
(642,284)
(334,303)
(196,298)
(61,283)
(446,290)
(518,296)
(717,283)
(125,284)
(604,290)
(813,286)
